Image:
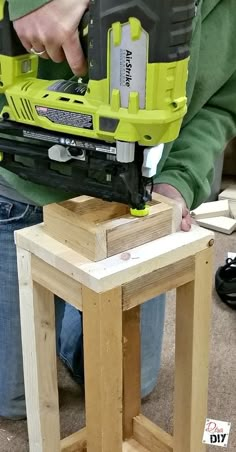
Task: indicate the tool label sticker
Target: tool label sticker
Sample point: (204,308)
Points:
(66,118)
(216,433)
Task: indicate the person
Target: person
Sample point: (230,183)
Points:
(185,173)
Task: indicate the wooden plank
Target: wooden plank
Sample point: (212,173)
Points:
(151,436)
(219,224)
(176,207)
(137,231)
(75,443)
(57,282)
(39,357)
(102,320)
(119,269)
(193,312)
(95,210)
(131,369)
(67,227)
(133,446)
(212,209)
(155,283)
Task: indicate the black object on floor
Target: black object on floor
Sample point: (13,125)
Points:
(225,283)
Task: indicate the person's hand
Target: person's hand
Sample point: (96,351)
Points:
(53,29)
(171,192)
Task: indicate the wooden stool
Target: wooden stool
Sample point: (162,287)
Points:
(106,263)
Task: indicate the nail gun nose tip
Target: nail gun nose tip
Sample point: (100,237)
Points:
(140,213)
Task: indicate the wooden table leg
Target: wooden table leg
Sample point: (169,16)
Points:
(192,355)
(39,356)
(131,369)
(102,323)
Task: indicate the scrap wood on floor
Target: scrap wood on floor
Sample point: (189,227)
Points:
(219,216)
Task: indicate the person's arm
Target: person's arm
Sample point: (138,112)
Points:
(19,8)
(190,165)
(51,28)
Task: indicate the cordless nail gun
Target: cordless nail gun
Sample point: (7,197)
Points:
(103,137)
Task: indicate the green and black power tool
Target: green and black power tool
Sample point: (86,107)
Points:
(102,138)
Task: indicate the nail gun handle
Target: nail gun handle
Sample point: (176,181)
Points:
(10,44)
(168,23)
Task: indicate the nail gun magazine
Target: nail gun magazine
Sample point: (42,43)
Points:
(102,136)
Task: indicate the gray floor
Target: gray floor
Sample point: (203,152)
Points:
(222,387)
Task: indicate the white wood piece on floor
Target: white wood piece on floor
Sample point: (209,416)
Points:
(232,207)
(219,224)
(228,193)
(119,269)
(212,209)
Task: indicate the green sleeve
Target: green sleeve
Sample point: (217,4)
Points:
(19,8)
(189,166)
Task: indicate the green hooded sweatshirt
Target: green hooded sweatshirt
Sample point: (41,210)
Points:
(188,163)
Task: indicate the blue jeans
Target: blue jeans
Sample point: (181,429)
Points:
(13,216)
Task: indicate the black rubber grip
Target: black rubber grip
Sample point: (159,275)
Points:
(168,23)
(10,44)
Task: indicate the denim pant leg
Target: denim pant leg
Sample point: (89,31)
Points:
(13,215)
(152,327)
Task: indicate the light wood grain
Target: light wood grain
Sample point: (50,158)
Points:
(99,229)
(151,436)
(57,282)
(131,369)
(158,281)
(177,210)
(138,231)
(39,357)
(133,446)
(193,314)
(69,228)
(119,269)
(102,320)
(75,443)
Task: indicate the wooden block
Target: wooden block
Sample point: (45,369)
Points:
(99,229)
(133,446)
(75,443)
(212,209)
(177,210)
(228,193)
(219,224)
(151,436)
(57,282)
